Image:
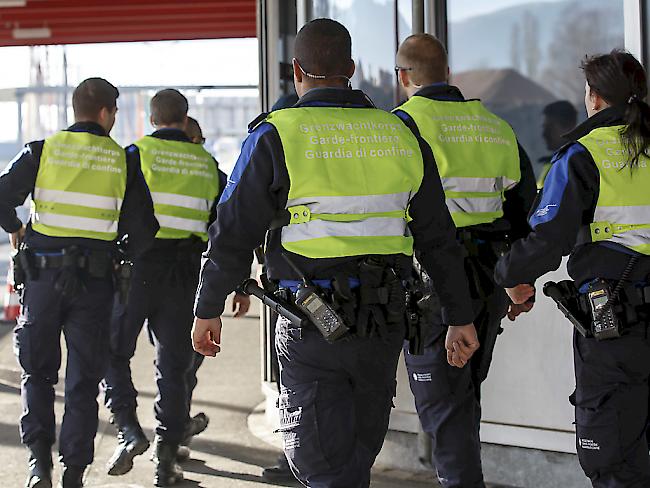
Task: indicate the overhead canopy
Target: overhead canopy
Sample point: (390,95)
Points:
(31,22)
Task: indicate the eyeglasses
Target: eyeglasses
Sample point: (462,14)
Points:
(402,68)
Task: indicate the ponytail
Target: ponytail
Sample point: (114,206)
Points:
(620,80)
(636,134)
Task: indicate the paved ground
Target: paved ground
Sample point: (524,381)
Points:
(227,455)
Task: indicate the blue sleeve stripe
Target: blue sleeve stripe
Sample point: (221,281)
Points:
(247,149)
(402,115)
(554,187)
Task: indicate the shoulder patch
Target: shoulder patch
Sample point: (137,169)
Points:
(257,121)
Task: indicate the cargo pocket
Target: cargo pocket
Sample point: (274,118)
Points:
(598,439)
(22,347)
(300,429)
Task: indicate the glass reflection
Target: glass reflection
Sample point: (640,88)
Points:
(520,56)
(374,41)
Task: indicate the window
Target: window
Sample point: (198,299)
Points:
(519,56)
(372,26)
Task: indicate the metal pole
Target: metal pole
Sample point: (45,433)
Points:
(396,93)
(304,12)
(435,20)
(417,17)
(65,89)
(19,100)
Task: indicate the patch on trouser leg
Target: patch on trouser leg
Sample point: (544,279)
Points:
(290,440)
(300,430)
(598,440)
(422,377)
(591,444)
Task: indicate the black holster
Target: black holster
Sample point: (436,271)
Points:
(382,295)
(122,276)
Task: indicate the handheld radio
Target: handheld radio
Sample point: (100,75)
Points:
(605,323)
(319,311)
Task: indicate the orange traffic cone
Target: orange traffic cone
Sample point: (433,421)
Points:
(11,303)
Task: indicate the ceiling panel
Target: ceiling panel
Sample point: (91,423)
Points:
(75,22)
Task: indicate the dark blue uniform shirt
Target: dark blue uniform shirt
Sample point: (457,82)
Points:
(563,208)
(136,216)
(256,195)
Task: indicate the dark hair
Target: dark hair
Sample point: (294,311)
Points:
(621,81)
(193,129)
(563,112)
(168,106)
(91,96)
(426,56)
(323,47)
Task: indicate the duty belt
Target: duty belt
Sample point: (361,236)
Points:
(98,264)
(636,295)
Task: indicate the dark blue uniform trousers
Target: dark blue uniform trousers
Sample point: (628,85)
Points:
(335,403)
(447,398)
(611,408)
(190,378)
(167,305)
(84,320)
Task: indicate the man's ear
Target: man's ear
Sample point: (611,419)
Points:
(448,75)
(103,115)
(404,79)
(351,69)
(297,72)
(153,124)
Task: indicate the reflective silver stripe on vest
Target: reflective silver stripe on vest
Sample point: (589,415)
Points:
(354,204)
(623,215)
(76,198)
(70,222)
(473,185)
(180,201)
(474,205)
(632,238)
(180,223)
(375,227)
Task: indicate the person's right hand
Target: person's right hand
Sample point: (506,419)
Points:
(206,336)
(461,343)
(515,310)
(16,238)
(521,293)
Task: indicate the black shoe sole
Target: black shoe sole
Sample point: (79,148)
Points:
(125,464)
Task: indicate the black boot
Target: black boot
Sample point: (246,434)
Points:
(278,473)
(196,425)
(40,465)
(168,472)
(73,477)
(131,442)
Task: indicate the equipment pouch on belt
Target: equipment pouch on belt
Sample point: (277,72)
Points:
(18,270)
(567,298)
(382,294)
